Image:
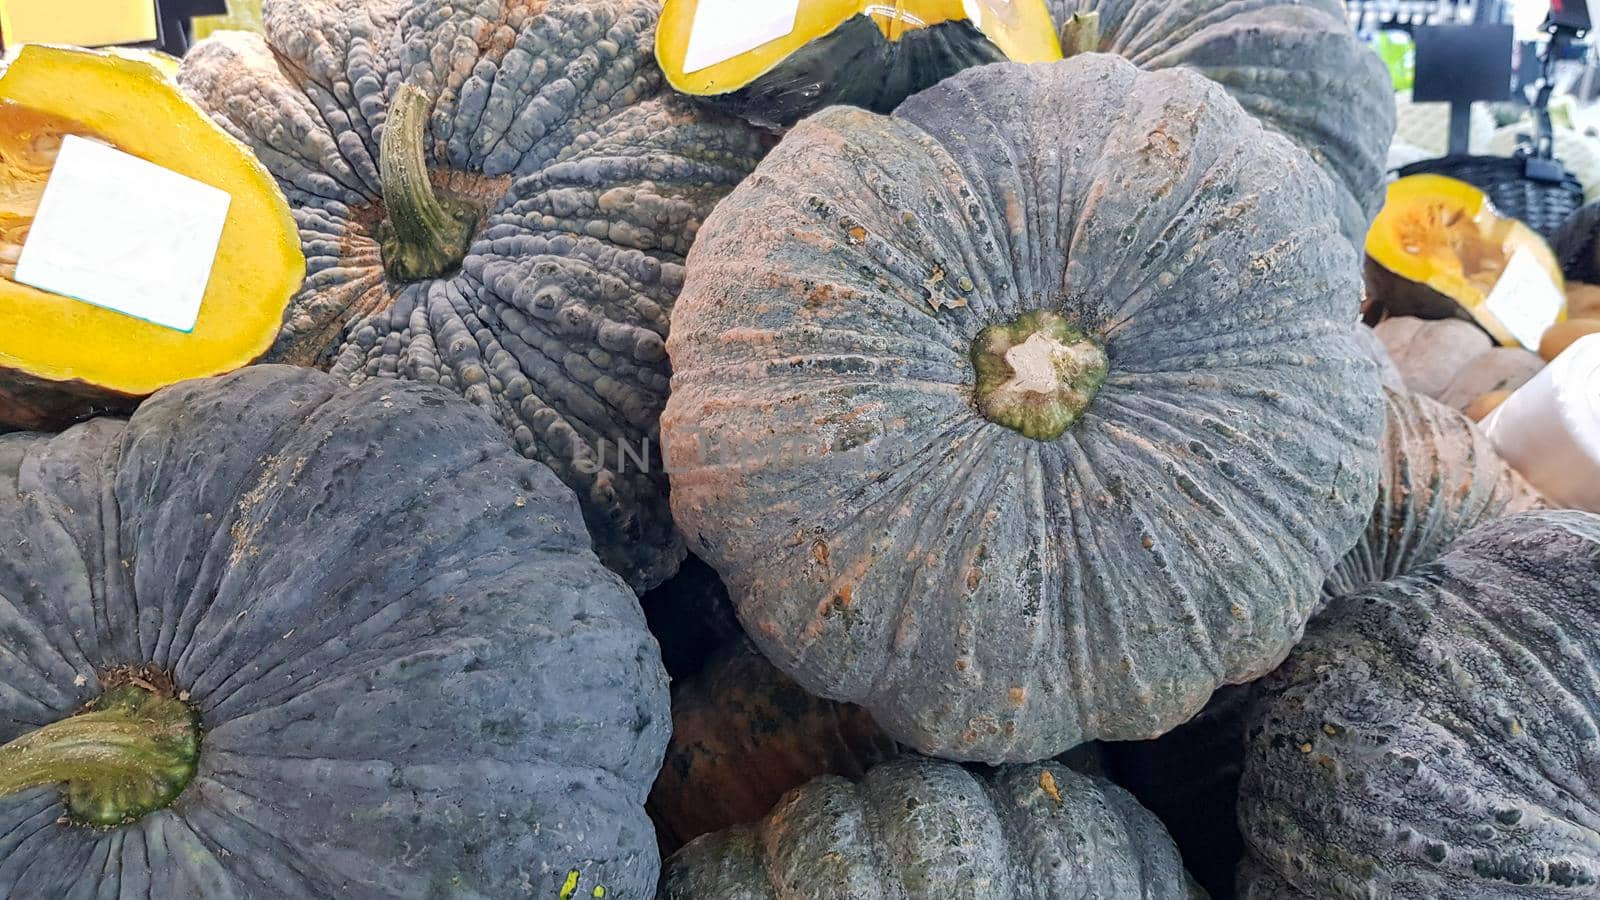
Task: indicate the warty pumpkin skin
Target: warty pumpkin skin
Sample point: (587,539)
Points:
(537,276)
(1435,735)
(1440,477)
(915,827)
(1293,64)
(989,595)
(413,676)
(742,736)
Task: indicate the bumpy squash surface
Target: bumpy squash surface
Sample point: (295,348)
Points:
(865,311)
(412,675)
(1436,735)
(524,243)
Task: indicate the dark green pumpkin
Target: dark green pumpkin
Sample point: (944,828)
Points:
(1003,592)
(1435,734)
(520,240)
(413,677)
(915,827)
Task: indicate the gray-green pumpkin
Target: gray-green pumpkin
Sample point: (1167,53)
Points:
(495,197)
(1027,415)
(918,828)
(1435,735)
(411,676)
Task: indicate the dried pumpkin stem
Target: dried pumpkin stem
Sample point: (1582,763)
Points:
(1080,34)
(130,755)
(424,236)
(1037,374)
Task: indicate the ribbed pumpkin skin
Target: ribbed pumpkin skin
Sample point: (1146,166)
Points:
(916,827)
(414,677)
(743,735)
(553,116)
(1436,735)
(985,595)
(1293,64)
(1441,477)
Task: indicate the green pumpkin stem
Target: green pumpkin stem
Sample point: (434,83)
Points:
(129,755)
(1037,374)
(1081,34)
(424,236)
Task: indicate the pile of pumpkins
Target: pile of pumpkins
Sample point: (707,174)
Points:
(965,404)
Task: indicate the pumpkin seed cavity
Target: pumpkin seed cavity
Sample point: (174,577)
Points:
(1038,374)
(30,141)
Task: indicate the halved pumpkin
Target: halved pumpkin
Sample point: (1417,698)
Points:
(851,52)
(62,359)
(1437,249)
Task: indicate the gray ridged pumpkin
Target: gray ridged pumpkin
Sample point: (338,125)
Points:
(412,676)
(919,828)
(495,197)
(1030,414)
(1440,478)
(1435,735)
(1294,64)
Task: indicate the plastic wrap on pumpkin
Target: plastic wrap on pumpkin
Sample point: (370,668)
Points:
(1030,414)
(512,228)
(1293,64)
(410,673)
(1435,734)
(919,828)
(833,52)
(63,359)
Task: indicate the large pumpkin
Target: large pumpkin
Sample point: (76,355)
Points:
(411,676)
(1029,414)
(919,828)
(1293,64)
(1435,734)
(495,197)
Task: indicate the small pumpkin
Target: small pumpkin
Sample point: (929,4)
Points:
(1559,337)
(915,827)
(1437,249)
(854,52)
(743,735)
(1452,360)
(406,672)
(1028,434)
(493,197)
(62,359)
(1440,478)
(1434,735)
(1293,64)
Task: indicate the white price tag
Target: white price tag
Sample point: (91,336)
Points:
(119,232)
(724,29)
(1525,300)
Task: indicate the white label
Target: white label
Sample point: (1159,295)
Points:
(125,234)
(724,29)
(1525,300)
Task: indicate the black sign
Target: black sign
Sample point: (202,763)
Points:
(1462,63)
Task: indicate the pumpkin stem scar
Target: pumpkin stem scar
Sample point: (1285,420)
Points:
(1037,374)
(424,236)
(1080,34)
(128,755)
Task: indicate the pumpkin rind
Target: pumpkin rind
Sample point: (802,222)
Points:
(1440,478)
(985,595)
(1293,64)
(919,828)
(550,116)
(1435,735)
(414,677)
(1452,360)
(742,736)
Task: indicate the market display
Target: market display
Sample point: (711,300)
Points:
(804,449)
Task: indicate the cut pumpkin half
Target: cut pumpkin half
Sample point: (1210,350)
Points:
(1438,249)
(62,358)
(775,72)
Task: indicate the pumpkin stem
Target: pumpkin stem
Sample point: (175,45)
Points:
(1080,34)
(131,754)
(1037,375)
(424,236)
